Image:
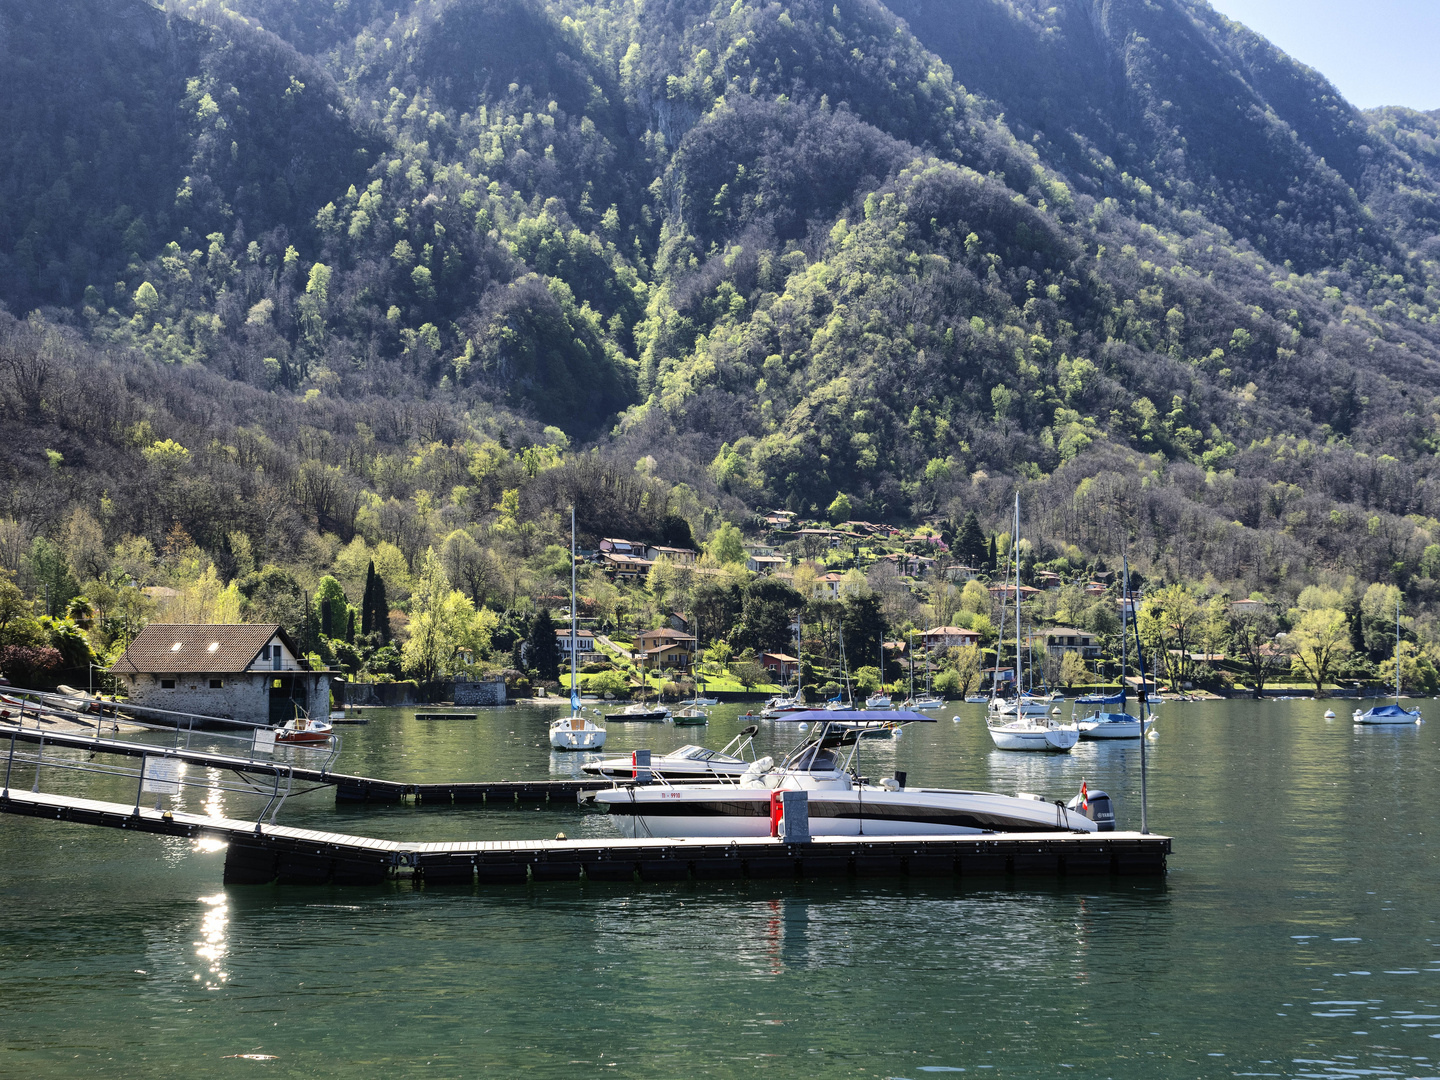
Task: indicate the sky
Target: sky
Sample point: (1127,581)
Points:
(1377,52)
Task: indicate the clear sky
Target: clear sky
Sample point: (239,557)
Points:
(1377,52)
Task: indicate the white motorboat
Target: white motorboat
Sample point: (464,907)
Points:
(640,711)
(879,700)
(1109,725)
(1043,733)
(924,703)
(977,699)
(707,702)
(575,732)
(839,804)
(304,730)
(688,763)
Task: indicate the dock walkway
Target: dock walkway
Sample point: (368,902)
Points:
(260,854)
(348,789)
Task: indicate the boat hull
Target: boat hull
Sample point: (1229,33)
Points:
(569,739)
(641,813)
(1113,729)
(1057,740)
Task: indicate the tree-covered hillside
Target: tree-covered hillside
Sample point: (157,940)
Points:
(1123,253)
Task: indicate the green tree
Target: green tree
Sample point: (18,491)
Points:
(1072,669)
(727,545)
(970,541)
(866,680)
(544,651)
(747,673)
(52,572)
(965,662)
(839,510)
(332,606)
(1317,644)
(1254,646)
(429,645)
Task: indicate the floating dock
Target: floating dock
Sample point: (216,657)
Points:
(261,854)
(348,789)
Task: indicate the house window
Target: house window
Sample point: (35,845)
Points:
(167,684)
(216,684)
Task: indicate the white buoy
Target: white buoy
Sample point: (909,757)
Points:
(954,719)
(804,726)
(1329,714)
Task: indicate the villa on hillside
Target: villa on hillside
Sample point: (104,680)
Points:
(665,648)
(1057,640)
(948,637)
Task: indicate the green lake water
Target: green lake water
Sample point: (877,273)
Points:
(1295,935)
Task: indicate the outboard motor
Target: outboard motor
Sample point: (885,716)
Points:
(1100,810)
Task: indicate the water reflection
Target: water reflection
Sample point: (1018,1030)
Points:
(212,947)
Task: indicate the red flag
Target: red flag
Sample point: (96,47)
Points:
(1084,796)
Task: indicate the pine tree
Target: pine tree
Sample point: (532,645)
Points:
(970,541)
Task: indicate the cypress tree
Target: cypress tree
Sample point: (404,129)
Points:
(350,627)
(367,602)
(381,615)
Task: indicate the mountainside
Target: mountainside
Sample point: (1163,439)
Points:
(1121,251)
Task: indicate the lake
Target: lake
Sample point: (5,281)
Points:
(1297,933)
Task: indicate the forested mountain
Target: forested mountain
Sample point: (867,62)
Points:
(1122,252)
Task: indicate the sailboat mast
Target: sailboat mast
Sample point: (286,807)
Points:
(1397,650)
(1144,708)
(1015,547)
(574,686)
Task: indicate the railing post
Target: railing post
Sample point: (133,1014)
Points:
(39,760)
(140,786)
(10,764)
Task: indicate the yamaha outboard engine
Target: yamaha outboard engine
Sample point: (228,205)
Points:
(1100,810)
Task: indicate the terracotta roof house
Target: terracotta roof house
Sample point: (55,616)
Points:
(585,650)
(665,647)
(239,671)
(949,637)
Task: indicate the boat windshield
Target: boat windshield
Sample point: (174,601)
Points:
(693,753)
(812,757)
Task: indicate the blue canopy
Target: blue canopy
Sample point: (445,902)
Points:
(1112,718)
(1388,710)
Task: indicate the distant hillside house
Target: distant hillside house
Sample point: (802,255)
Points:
(764,564)
(1057,640)
(624,567)
(665,648)
(949,637)
(678,556)
(827,586)
(243,672)
(585,650)
(782,668)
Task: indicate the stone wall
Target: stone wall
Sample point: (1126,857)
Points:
(243,697)
(489,692)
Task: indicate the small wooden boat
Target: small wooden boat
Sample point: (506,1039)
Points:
(304,730)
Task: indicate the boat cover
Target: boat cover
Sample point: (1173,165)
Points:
(1388,710)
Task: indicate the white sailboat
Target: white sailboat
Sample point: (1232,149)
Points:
(1390,714)
(576,731)
(1024,724)
(1102,724)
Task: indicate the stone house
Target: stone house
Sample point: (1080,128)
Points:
(249,672)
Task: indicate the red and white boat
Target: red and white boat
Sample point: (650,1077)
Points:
(304,730)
